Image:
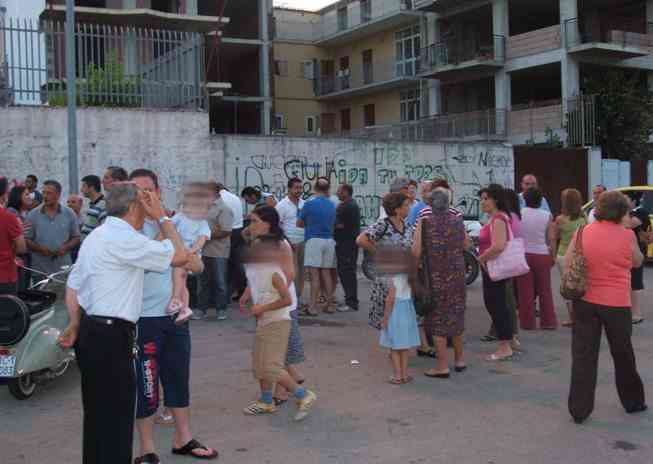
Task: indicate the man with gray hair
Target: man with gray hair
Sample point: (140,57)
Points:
(104,296)
(398,185)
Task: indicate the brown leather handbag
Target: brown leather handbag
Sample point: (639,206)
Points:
(573,283)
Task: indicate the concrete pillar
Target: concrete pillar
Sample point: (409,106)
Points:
(264,11)
(500,23)
(569,66)
(435,97)
(430,37)
(190,7)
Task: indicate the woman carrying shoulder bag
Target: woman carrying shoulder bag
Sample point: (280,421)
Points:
(610,251)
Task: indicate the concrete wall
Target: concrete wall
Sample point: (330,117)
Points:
(179,148)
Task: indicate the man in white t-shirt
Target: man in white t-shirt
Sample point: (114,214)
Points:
(288,210)
(596,193)
(236,273)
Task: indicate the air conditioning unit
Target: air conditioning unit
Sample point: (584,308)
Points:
(341,73)
(347,72)
(308,69)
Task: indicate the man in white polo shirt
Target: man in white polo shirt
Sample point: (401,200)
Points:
(104,296)
(288,210)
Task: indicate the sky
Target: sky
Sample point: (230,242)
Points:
(303,4)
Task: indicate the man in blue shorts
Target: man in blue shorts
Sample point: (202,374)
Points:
(164,354)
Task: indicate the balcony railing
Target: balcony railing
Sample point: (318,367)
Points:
(331,23)
(581,121)
(578,33)
(366,74)
(453,53)
(477,125)
(116,66)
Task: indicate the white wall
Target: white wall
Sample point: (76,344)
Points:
(177,146)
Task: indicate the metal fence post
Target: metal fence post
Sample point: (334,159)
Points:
(71,87)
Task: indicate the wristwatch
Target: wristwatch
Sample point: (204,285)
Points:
(163,219)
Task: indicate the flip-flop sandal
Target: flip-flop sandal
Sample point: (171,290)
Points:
(149,458)
(439,375)
(427,353)
(494,358)
(279,401)
(489,338)
(408,379)
(188,448)
(638,321)
(394,381)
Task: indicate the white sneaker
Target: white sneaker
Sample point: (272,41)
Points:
(198,315)
(222,314)
(343,309)
(305,405)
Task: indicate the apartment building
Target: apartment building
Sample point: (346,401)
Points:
(230,61)
(503,69)
(348,66)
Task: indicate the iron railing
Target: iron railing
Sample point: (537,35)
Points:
(578,33)
(116,65)
(367,74)
(453,52)
(332,22)
(477,125)
(581,121)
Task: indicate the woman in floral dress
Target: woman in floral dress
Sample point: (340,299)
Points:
(439,243)
(391,231)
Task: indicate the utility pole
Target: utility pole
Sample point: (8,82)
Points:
(71,89)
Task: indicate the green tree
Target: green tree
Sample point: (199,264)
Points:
(624,113)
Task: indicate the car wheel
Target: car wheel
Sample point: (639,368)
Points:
(22,387)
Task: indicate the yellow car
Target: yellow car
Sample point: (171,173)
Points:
(647,203)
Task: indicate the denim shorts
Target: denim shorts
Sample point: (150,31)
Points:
(164,356)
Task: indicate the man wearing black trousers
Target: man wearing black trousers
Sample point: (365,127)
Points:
(104,297)
(347,228)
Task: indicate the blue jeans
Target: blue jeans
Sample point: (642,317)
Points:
(213,284)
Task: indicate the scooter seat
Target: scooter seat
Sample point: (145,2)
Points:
(14,320)
(37,300)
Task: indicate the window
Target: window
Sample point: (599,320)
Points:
(344,73)
(278,122)
(310,125)
(345,120)
(366,10)
(281,68)
(410,102)
(307,69)
(368,116)
(328,123)
(368,67)
(407,44)
(342,18)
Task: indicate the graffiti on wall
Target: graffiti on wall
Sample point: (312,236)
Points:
(369,167)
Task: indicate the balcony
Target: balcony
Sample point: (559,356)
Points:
(336,26)
(593,43)
(443,6)
(531,122)
(366,79)
(450,61)
(533,42)
(473,126)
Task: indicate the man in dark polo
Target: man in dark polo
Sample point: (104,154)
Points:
(54,233)
(347,228)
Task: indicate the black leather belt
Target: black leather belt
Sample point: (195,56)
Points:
(112,321)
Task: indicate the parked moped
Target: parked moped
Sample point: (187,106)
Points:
(30,325)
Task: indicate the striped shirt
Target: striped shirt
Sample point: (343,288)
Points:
(429,212)
(94,216)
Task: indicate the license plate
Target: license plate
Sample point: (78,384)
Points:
(7,366)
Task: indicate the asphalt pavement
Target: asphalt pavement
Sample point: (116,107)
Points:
(511,412)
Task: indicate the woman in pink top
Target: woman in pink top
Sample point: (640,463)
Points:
(537,232)
(610,251)
(492,241)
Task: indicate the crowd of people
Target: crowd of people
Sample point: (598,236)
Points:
(142,271)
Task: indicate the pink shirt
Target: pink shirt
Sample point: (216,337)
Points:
(485,235)
(607,248)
